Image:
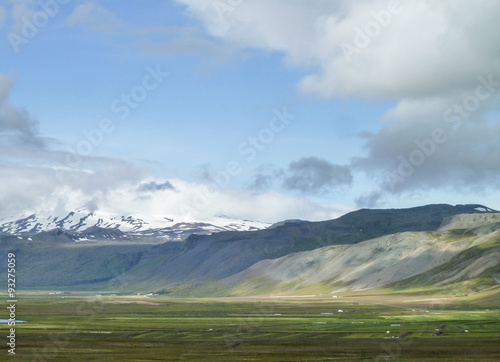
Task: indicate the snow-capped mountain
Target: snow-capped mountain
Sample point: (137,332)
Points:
(80,220)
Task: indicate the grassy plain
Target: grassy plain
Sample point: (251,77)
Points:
(380,326)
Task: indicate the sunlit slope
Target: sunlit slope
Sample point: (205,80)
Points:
(465,258)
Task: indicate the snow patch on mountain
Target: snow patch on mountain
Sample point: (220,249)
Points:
(484,209)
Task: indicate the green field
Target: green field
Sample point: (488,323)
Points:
(71,327)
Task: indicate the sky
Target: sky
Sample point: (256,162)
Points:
(254,109)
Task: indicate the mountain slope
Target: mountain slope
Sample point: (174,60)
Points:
(53,259)
(370,264)
(466,259)
(203,259)
(402,260)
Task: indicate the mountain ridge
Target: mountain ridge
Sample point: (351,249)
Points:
(362,249)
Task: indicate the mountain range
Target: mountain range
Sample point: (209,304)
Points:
(452,248)
(94,224)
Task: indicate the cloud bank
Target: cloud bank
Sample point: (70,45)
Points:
(438,61)
(393,53)
(36,177)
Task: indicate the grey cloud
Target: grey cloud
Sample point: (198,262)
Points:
(206,173)
(155,186)
(369,200)
(92,205)
(16,125)
(261,182)
(421,147)
(6,84)
(265,177)
(315,175)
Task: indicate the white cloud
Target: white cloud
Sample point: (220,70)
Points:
(189,201)
(31,184)
(95,18)
(151,39)
(28,190)
(422,48)
(22,11)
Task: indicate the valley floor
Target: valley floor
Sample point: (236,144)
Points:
(363,327)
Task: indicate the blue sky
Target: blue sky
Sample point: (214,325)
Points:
(384,110)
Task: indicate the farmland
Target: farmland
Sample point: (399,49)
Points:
(362,326)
